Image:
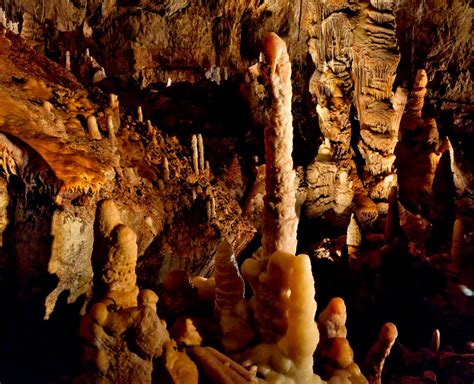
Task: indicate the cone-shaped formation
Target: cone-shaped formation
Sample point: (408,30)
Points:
(354,236)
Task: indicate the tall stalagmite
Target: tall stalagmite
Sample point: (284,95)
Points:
(280,221)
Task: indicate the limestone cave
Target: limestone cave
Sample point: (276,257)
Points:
(230,192)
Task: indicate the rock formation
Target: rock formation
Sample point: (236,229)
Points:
(119,345)
(230,306)
(354,49)
(139,149)
(280,222)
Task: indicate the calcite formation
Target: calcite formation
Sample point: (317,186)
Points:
(99,196)
(280,222)
(354,48)
(285,318)
(119,345)
(230,306)
(375,360)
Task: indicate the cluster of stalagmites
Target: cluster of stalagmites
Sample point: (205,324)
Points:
(271,337)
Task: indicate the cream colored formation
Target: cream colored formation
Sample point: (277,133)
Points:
(280,222)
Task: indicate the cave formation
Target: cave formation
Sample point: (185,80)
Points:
(236,191)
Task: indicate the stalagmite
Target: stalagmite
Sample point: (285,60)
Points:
(375,360)
(111,131)
(113,99)
(213,207)
(414,111)
(230,306)
(289,309)
(392,226)
(195,154)
(119,275)
(208,210)
(201,153)
(140,114)
(4,203)
(280,221)
(68,60)
(435,340)
(457,243)
(332,321)
(354,236)
(93,129)
(166,169)
(119,345)
(270,286)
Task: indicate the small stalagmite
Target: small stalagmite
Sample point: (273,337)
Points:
(111,131)
(375,360)
(120,345)
(195,154)
(93,128)
(140,114)
(113,99)
(68,60)
(280,221)
(201,153)
(413,116)
(354,236)
(332,321)
(435,340)
(393,230)
(230,306)
(442,209)
(166,169)
(457,243)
